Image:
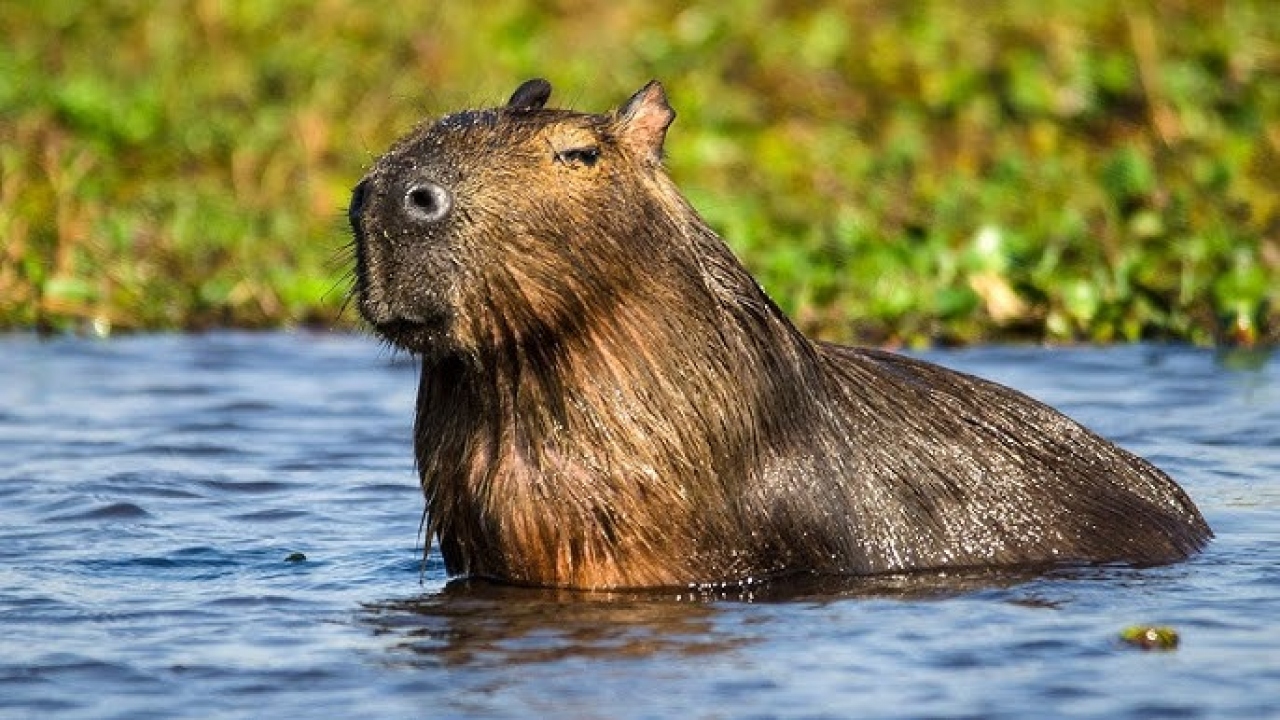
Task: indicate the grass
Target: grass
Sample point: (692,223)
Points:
(928,172)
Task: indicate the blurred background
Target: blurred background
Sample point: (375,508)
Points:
(895,173)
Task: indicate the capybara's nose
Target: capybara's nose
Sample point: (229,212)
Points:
(358,196)
(427,202)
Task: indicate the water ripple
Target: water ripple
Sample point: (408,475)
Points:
(226,525)
(122,511)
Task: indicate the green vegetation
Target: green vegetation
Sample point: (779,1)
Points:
(892,172)
(1150,637)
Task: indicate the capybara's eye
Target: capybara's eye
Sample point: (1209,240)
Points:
(581,156)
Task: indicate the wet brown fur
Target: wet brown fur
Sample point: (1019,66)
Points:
(609,400)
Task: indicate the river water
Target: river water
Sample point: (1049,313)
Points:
(156,492)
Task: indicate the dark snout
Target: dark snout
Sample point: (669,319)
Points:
(416,202)
(355,210)
(403,254)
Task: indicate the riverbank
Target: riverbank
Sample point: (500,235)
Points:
(1070,171)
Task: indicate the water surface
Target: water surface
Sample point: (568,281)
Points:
(153,490)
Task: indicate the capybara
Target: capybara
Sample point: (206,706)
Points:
(609,400)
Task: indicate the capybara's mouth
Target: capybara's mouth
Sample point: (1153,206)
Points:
(416,336)
(414,326)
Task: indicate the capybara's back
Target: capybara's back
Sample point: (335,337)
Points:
(609,400)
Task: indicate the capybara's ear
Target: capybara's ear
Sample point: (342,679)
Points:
(644,121)
(531,95)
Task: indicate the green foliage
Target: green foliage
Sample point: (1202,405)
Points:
(1150,637)
(905,173)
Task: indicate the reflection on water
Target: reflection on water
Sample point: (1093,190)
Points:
(481,624)
(153,490)
(477,623)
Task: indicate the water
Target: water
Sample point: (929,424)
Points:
(153,488)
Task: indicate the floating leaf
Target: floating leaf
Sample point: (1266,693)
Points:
(1150,637)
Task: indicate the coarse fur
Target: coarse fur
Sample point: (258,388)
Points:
(609,400)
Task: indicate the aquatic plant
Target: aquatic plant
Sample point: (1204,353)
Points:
(897,173)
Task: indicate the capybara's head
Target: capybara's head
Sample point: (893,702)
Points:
(506,225)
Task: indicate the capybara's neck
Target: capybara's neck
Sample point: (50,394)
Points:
(610,448)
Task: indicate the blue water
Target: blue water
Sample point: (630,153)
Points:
(153,488)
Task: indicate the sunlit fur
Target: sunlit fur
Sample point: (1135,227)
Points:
(609,400)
